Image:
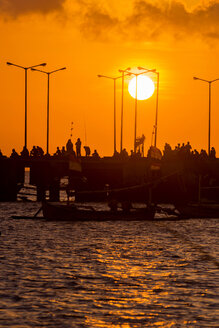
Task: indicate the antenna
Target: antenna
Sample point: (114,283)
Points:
(71,129)
(152,136)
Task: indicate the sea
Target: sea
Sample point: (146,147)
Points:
(107,274)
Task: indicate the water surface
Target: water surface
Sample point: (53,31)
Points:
(107,274)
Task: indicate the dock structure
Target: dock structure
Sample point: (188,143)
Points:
(92,179)
(86,174)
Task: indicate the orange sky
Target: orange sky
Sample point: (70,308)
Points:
(90,37)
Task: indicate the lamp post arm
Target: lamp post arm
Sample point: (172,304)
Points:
(43,64)
(39,70)
(197,78)
(214,80)
(56,70)
(11,64)
(107,77)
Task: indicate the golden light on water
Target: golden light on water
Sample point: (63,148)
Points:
(145,87)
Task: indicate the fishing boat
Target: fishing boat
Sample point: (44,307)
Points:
(66,211)
(198,210)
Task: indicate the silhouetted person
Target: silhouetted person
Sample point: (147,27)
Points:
(14,154)
(69,147)
(63,150)
(212,153)
(188,147)
(124,154)
(24,152)
(87,151)
(40,151)
(1,155)
(167,150)
(58,152)
(195,154)
(78,147)
(34,152)
(95,154)
(116,154)
(203,154)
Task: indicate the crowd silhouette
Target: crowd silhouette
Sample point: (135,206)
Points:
(180,152)
(185,151)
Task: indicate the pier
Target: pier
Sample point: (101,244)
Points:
(91,178)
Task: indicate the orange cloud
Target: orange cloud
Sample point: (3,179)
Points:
(147,21)
(151,20)
(19,7)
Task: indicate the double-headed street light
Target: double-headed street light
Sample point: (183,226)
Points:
(136,100)
(114,84)
(48,75)
(209,113)
(25,120)
(124,72)
(156,115)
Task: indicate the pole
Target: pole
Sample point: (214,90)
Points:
(209,121)
(114,80)
(156,115)
(135,128)
(47,139)
(121,142)
(25,114)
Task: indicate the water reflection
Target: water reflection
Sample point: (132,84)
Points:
(106,274)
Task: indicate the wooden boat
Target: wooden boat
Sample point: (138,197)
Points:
(64,211)
(196,210)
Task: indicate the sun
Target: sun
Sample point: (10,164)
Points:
(145,87)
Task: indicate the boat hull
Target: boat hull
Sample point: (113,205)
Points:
(199,210)
(63,212)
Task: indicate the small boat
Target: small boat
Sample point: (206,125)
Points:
(64,211)
(198,210)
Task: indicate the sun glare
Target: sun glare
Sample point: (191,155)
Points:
(145,87)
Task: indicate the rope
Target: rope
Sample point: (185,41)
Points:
(151,184)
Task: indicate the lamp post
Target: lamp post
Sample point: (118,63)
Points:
(209,112)
(25,115)
(123,71)
(156,114)
(48,89)
(114,84)
(136,101)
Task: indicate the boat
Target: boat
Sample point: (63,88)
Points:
(198,210)
(66,211)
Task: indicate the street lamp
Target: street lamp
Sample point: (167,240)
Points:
(156,114)
(136,101)
(209,115)
(25,120)
(123,71)
(48,76)
(114,83)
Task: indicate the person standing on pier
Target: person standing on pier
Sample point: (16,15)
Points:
(69,147)
(78,147)
(14,154)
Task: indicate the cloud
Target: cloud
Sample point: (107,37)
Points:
(174,19)
(15,8)
(98,23)
(146,20)
(150,20)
